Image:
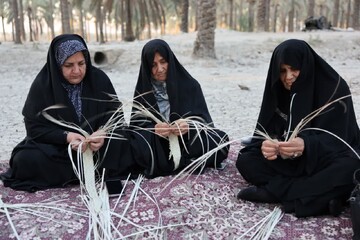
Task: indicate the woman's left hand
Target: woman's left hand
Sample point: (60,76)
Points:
(292,149)
(179,127)
(96,140)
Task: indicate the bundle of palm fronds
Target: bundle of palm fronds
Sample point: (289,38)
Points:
(37,209)
(263,229)
(94,193)
(194,123)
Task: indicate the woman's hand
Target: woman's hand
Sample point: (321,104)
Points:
(163,129)
(270,149)
(179,127)
(75,139)
(292,149)
(96,140)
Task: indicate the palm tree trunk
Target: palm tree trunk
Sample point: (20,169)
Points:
(129,34)
(231,14)
(311,8)
(204,46)
(291,17)
(348,14)
(336,9)
(356,24)
(17,27)
(29,10)
(3,27)
(65,17)
(252,15)
(184,26)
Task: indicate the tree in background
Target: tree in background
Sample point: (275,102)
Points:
(335,18)
(311,8)
(65,16)
(16,21)
(142,19)
(356,23)
(252,15)
(184,26)
(129,33)
(204,46)
(2,15)
(263,16)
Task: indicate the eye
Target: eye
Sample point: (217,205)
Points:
(67,65)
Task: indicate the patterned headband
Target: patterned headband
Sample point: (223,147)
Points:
(67,49)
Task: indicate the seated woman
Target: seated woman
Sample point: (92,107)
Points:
(173,96)
(310,172)
(41,160)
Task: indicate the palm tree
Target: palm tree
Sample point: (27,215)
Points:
(291,16)
(204,45)
(311,8)
(30,17)
(348,14)
(2,14)
(46,8)
(263,15)
(22,22)
(129,34)
(65,16)
(356,11)
(16,20)
(78,4)
(184,26)
(336,9)
(251,15)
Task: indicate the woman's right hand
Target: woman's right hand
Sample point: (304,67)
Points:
(270,149)
(75,139)
(163,129)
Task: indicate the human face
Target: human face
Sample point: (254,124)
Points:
(74,68)
(288,75)
(159,68)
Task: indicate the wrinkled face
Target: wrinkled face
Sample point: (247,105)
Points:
(159,68)
(288,75)
(74,68)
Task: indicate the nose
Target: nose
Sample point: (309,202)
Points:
(161,68)
(289,75)
(76,68)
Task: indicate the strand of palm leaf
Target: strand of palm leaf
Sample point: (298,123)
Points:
(37,209)
(262,134)
(158,230)
(198,163)
(265,226)
(174,145)
(194,122)
(96,201)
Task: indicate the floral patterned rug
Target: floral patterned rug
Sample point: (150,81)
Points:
(197,207)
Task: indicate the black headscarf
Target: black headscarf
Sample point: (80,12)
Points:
(185,95)
(317,84)
(48,90)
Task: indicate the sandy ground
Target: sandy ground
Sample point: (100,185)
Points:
(242,61)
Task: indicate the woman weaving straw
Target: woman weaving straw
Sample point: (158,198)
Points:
(305,162)
(86,95)
(169,106)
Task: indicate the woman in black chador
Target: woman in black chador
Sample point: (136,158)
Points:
(310,174)
(167,90)
(41,160)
